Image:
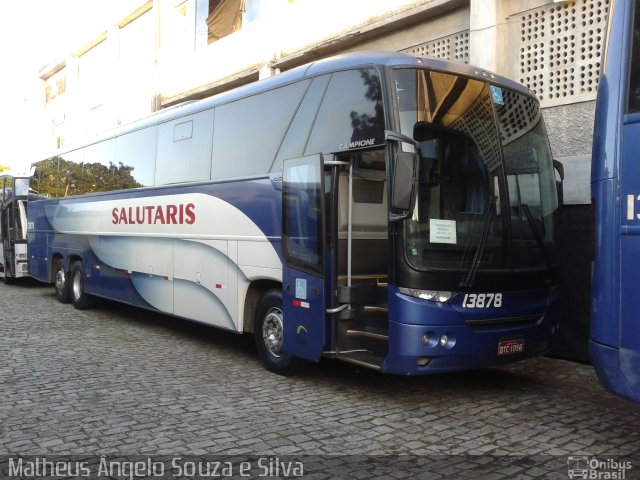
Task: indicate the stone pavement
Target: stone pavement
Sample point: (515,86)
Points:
(121,381)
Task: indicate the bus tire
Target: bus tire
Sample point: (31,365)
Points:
(61,283)
(79,298)
(268,334)
(8,279)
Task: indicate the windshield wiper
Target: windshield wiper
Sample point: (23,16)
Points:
(471,275)
(537,236)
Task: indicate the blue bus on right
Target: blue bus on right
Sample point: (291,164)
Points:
(615,186)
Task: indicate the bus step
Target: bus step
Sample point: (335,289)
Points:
(362,294)
(375,309)
(362,359)
(369,333)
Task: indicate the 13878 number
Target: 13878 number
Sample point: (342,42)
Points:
(482,300)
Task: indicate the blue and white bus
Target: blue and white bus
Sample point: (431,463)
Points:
(615,186)
(395,212)
(14,195)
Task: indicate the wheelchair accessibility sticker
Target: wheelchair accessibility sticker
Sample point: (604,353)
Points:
(496,95)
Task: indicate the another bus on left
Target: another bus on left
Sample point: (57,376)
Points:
(14,195)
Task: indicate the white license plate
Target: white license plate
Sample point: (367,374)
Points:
(511,347)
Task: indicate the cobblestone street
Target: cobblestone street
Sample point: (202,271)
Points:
(117,380)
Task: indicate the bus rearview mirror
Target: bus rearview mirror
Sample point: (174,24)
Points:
(404,172)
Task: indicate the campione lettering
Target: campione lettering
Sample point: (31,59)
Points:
(358,144)
(180,214)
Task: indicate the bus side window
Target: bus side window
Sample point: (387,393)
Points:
(184,149)
(296,139)
(351,114)
(57,177)
(137,149)
(248,132)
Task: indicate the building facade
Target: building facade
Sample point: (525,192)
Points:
(164,52)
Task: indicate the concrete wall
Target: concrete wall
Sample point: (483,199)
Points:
(540,43)
(570,130)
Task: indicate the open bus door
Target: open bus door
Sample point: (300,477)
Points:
(335,246)
(303,238)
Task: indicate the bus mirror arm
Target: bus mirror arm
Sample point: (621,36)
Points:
(558,167)
(401,138)
(398,217)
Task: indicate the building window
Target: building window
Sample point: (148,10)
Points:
(55,86)
(225,17)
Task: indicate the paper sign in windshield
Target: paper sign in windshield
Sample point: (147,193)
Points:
(442,231)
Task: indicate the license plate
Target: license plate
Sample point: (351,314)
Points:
(511,347)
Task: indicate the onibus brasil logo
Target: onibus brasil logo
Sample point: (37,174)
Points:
(594,468)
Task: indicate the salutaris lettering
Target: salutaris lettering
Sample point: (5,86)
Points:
(155,215)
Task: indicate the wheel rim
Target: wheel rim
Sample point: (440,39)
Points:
(60,279)
(272,331)
(76,285)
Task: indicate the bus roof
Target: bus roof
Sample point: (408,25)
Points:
(319,67)
(14,174)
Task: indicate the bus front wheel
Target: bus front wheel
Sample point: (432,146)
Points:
(79,297)
(268,333)
(61,283)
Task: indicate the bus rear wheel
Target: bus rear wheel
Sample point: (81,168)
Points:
(61,283)
(268,334)
(79,298)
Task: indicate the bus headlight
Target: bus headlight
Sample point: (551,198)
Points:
(434,295)
(443,297)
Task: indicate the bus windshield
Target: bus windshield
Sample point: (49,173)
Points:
(486,185)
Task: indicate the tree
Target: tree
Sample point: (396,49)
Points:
(59,178)
(365,125)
